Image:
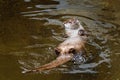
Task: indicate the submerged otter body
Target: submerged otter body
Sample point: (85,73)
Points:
(66,50)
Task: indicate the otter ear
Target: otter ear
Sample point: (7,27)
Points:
(72,50)
(82,32)
(57,51)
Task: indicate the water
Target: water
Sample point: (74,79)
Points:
(31,29)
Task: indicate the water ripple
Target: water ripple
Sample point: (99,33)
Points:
(55,14)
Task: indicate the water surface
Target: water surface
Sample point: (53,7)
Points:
(31,29)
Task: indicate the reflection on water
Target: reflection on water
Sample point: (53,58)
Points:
(30,30)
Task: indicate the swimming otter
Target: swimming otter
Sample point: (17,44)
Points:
(74,44)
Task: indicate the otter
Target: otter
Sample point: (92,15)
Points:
(74,44)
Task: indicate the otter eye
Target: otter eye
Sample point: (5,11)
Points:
(57,51)
(72,50)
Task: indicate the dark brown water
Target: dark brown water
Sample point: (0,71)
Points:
(30,29)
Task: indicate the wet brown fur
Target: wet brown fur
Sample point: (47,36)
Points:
(65,50)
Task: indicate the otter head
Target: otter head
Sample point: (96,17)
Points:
(72,24)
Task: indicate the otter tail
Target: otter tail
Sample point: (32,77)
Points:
(58,61)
